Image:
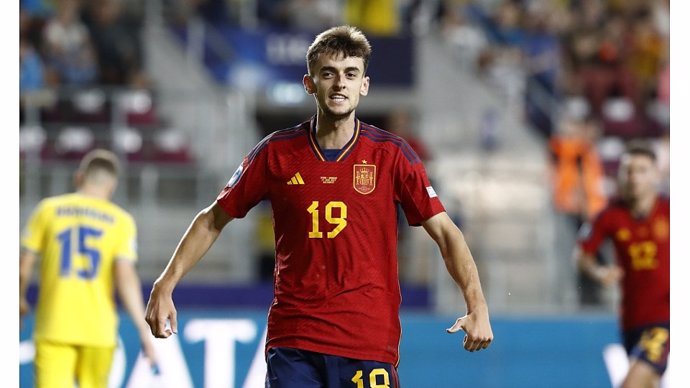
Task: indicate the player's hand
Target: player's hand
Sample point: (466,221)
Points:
(609,275)
(24,309)
(478,334)
(148,349)
(159,310)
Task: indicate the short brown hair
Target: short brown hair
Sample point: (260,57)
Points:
(640,148)
(342,40)
(99,160)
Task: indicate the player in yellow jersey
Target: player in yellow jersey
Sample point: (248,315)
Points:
(87,250)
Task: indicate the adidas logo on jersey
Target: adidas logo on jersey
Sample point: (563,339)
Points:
(296,180)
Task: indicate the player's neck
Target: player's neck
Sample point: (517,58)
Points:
(94,192)
(641,207)
(334,133)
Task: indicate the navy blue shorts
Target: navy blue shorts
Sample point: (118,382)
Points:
(651,344)
(294,368)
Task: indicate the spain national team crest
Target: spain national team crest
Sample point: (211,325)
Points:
(364,178)
(661,229)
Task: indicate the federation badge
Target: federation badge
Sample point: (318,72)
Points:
(364,178)
(623,234)
(661,229)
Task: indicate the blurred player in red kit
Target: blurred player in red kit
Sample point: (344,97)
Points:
(638,224)
(333,183)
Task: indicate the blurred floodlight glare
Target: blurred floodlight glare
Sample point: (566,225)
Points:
(287,93)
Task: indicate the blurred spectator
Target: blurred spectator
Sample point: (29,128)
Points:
(70,56)
(661,14)
(501,62)
(31,28)
(577,170)
(116,39)
(541,61)
(375,17)
(578,185)
(504,26)
(38,8)
(464,39)
(213,11)
(608,76)
(300,14)
(646,53)
(30,67)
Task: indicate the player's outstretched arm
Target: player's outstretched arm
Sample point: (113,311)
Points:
(606,275)
(462,268)
(129,289)
(201,234)
(26,264)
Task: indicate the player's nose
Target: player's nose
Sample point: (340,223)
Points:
(339,83)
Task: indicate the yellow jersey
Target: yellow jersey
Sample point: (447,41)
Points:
(78,239)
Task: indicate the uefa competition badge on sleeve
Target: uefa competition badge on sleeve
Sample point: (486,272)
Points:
(236,176)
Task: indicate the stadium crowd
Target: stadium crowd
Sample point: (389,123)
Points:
(78,43)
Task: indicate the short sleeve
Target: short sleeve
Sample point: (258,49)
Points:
(126,248)
(415,193)
(248,185)
(34,232)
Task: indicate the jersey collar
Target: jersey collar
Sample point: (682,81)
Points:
(343,151)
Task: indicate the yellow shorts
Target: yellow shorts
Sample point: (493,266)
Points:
(59,365)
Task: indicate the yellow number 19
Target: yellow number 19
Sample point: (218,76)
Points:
(373,377)
(340,221)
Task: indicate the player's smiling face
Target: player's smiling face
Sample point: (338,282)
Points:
(337,82)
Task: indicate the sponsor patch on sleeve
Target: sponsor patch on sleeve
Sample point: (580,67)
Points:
(432,193)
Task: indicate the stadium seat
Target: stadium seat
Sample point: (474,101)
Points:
(610,149)
(619,118)
(575,107)
(32,139)
(129,142)
(90,106)
(73,142)
(171,145)
(138,107)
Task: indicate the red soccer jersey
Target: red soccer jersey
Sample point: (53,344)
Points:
(336,288)
(642,250)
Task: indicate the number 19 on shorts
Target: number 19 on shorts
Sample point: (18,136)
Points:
(378,378)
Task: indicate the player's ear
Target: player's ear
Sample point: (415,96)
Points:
(77,179)
(112,186)
(309,84)
(364,89)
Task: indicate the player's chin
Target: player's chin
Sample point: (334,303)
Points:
(339,113)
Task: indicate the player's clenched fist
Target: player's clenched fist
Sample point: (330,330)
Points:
(159,310)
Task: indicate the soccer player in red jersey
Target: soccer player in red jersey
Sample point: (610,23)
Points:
(334,183)
(638,224)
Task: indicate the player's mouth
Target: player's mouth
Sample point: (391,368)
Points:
(337,97)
